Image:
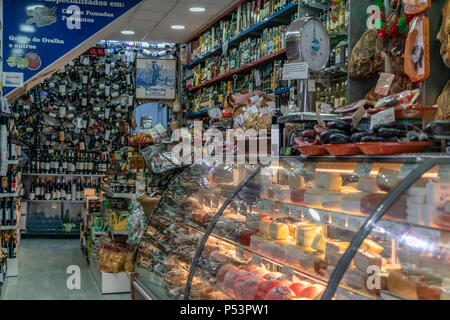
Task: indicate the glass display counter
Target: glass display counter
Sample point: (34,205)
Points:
(304,228)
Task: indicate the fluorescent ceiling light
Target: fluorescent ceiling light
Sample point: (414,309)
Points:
(178,27)
(197,9)
(127,32)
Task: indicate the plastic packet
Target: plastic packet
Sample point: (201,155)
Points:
(417,49)
(404,99)
(412,7)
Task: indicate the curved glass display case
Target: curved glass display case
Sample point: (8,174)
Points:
(305,228)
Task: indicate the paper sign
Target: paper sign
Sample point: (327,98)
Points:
(383,117)
(311,86)
(257,78)
(325,108)
(153,133)
(358,116)
(160,129)
(363,169)
(384,83)
(225,48)
(320,119)
(295,71)
(13,79)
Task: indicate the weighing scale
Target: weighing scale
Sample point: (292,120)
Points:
(307,40)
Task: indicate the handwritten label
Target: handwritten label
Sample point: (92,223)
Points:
(295,71)
(383,117)
(384,83)
(257,78)
(311,86)
(363,169)
(358,116)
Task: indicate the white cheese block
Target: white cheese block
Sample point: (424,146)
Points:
(279,231)
(438,193)
(328,181)
(352,202)
(417,191)
(331,200)
(447,207)
(306,235)
(313,197)
(368,185)
(283,195)
(308,257)
(416,200)
(296,182)
(319,243)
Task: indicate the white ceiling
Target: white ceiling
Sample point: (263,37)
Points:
(152,19)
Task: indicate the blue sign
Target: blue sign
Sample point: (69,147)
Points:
(37,33)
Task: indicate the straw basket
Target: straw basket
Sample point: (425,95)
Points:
(148,203)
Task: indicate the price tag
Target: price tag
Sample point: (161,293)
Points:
(154,133)
(269,205)
(160,129)
(311,86)
(429,236)
(310,168)
(296,211)
(358,116)
(284,208)
(406,169)
(363,169)
(225,48)
(257,78)
(340,221)
(384,83)
(320,119)
(383,117)
(295,71)
(325,107)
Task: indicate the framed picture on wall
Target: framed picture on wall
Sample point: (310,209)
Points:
(155,79)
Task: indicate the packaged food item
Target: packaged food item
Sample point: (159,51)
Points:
(417,50)
(444,34)
(403,99)
(366,60)
(412,7)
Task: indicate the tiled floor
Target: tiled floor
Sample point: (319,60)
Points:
(42,273)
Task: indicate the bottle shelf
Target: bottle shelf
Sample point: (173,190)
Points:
(3,228)
(112,194)
(9,195)
(49,201)
(63,175)
(247,67)
(289,9)
(204,112)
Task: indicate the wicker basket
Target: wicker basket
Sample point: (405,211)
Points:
(148,203)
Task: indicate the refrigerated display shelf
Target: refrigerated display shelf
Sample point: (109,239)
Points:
(274,261)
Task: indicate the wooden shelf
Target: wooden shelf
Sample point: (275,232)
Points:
(259,27)
(238,70)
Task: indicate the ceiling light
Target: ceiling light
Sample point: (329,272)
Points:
(178,27)
(127,32)
(197,9)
